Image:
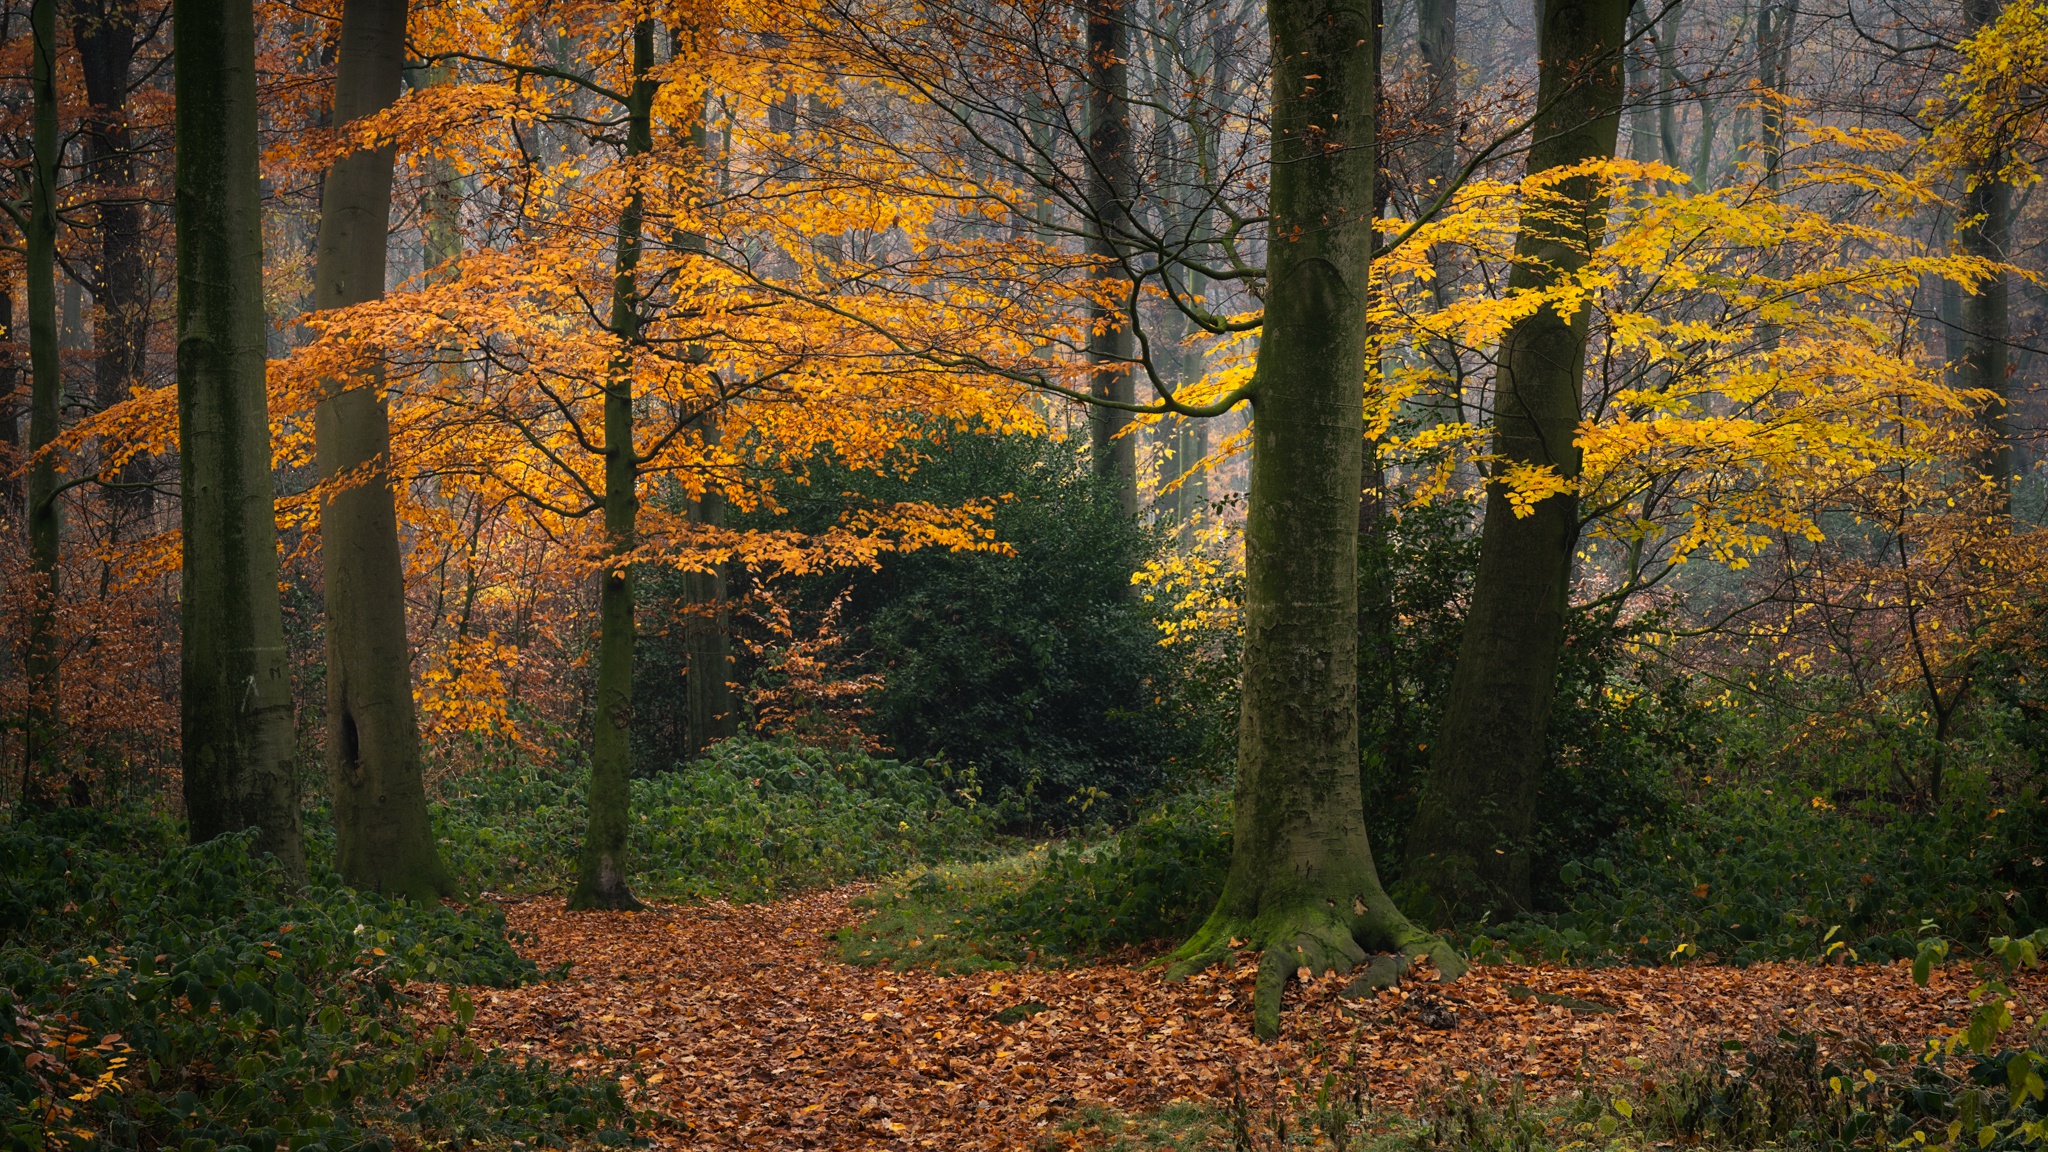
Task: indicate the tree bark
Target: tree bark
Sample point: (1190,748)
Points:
(46,386)
(1470,839)
(237,709)
(10,408)
(105,34)
(1985,231)
(1302,887)
(601,882)
(1115,454)
(707,644)
(1436,35)
(383,839)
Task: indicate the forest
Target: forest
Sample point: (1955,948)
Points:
(1028,574)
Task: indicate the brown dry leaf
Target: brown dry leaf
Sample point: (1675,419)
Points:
(741,1025)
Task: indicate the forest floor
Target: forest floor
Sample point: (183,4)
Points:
(742,1025)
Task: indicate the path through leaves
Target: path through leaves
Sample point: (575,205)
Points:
(742,1025)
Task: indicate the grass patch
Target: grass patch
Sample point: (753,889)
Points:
(935,915)
(1143,887)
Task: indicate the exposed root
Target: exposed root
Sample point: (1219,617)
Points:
(1318,939)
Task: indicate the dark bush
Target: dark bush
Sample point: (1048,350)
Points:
(153,993)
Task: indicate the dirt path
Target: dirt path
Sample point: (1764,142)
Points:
(741,1024)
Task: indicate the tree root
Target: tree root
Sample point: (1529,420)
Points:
(1318,939)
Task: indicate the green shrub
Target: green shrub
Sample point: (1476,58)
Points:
(1040,670)
(752,820)
(1750,874)
(153,993)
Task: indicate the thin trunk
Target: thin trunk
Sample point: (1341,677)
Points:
(1985,231)
(46,386)
(1643,142)
(10,407)
(237,710)
(1109,198)
(1667,84)
(384,841)
(1302,887)
(1470,840)
(105,34)
(707,644)
(601,882)
(1774,24)
(1436,34)
(1703,153)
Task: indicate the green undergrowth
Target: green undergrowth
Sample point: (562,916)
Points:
(1755,874)
(753,820)
(154,994)
(1149,884)
(1738,876)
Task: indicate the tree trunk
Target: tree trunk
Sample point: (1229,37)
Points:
(1985,231)
(237,709)
(601,882)
(1774,24)
(1667,84)
(1302,887)
(383,839)
(1436,35)
(707,644)
(46,386)
(1109,197)
(104,32)
(1470,838)
(10,408)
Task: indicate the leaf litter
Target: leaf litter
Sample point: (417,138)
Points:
(738,1026)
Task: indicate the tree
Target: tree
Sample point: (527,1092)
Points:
(237,721)
(1985,232)
(1109,197)
(46,386)
(1302,886)
(1468,840)
(384,842)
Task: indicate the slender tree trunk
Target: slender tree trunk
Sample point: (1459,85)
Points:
(1774,24)
(707,644)
(1667,85)
(601,882)
(1985,231)
(1109,197)
(1643,142)
(105,33)
(1302,887)
(384,841)
(10,408)
(237,722)
(1469,842)
(1436,34)
(46,386)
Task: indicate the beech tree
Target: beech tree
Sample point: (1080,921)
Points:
(237,709)
(1302,887)
(384,842)
(1469,838)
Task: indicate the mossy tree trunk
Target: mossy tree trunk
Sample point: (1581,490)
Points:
(1470,839)
(46,386)
(601,880)
(237,709)
(1302,888)
(1113,451)
(383,840)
